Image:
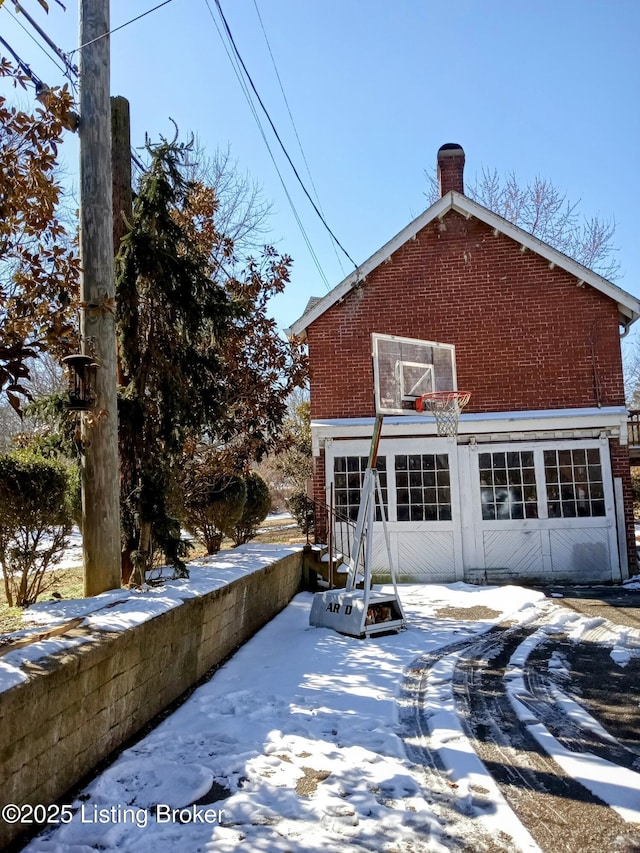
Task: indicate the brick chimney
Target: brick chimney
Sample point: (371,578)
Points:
(450,168)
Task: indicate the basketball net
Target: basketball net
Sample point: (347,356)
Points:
(445,406)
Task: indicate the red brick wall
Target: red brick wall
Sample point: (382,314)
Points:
(526,336)
(620,468)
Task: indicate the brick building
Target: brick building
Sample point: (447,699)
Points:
(537,485)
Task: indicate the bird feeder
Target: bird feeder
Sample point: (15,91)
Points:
(81,371)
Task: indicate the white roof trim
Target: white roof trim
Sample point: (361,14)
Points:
(543,422)
(628,305)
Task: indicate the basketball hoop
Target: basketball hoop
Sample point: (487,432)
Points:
(445,406)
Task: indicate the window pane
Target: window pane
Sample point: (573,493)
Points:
(595,473)
(423,494)
(488,512)
(348,476)
(500,477)
(517,510)
(574,483)
(515,477)
(502,494)
(554,509)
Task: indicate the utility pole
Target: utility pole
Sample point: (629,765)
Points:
(100,467)
(121,166)
(122,192)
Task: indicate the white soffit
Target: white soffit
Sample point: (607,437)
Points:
(606,417)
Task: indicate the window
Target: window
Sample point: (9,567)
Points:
(508,485)
(348,472)
(574,483)
(423,487)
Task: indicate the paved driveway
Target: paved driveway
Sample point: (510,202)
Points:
(574,688)
(615,603)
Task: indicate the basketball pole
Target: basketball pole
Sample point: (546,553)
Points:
(367,496)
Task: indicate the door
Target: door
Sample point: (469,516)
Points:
(420,485)
(540,511)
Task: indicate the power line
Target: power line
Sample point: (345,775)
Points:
(273,127)
(23,65)
(293,124)
(71,69)
(284,97)
(254,112)
(121,27)
(34,40)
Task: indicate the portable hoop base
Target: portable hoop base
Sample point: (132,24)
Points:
(362,612)
(354,613)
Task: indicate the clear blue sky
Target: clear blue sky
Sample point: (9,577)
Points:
(549,88)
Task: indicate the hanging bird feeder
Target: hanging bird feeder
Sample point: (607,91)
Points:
(81,371)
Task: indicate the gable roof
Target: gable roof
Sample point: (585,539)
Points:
(628,305)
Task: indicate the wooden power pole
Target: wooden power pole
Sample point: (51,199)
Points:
(122,191)
(121,166)
(100,468)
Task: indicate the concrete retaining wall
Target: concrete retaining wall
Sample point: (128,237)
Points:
(78,706)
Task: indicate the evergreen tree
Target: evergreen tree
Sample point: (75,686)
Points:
(172,320)
(255,510)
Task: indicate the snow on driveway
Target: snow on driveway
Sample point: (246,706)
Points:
(295,745)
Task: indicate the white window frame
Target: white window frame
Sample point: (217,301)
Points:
(538,447)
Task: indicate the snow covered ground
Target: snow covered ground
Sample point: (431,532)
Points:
(297,743)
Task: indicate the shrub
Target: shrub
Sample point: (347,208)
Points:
(255,510)
(213,500)
(35,520)
(301,508)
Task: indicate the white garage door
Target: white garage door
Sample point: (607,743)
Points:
(541,511)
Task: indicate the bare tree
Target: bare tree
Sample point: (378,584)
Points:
(242,211)
(543,210)
(46,378)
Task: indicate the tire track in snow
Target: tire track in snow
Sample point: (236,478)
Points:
(559,812)
(460,812)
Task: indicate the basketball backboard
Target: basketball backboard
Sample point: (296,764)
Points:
(405,369)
